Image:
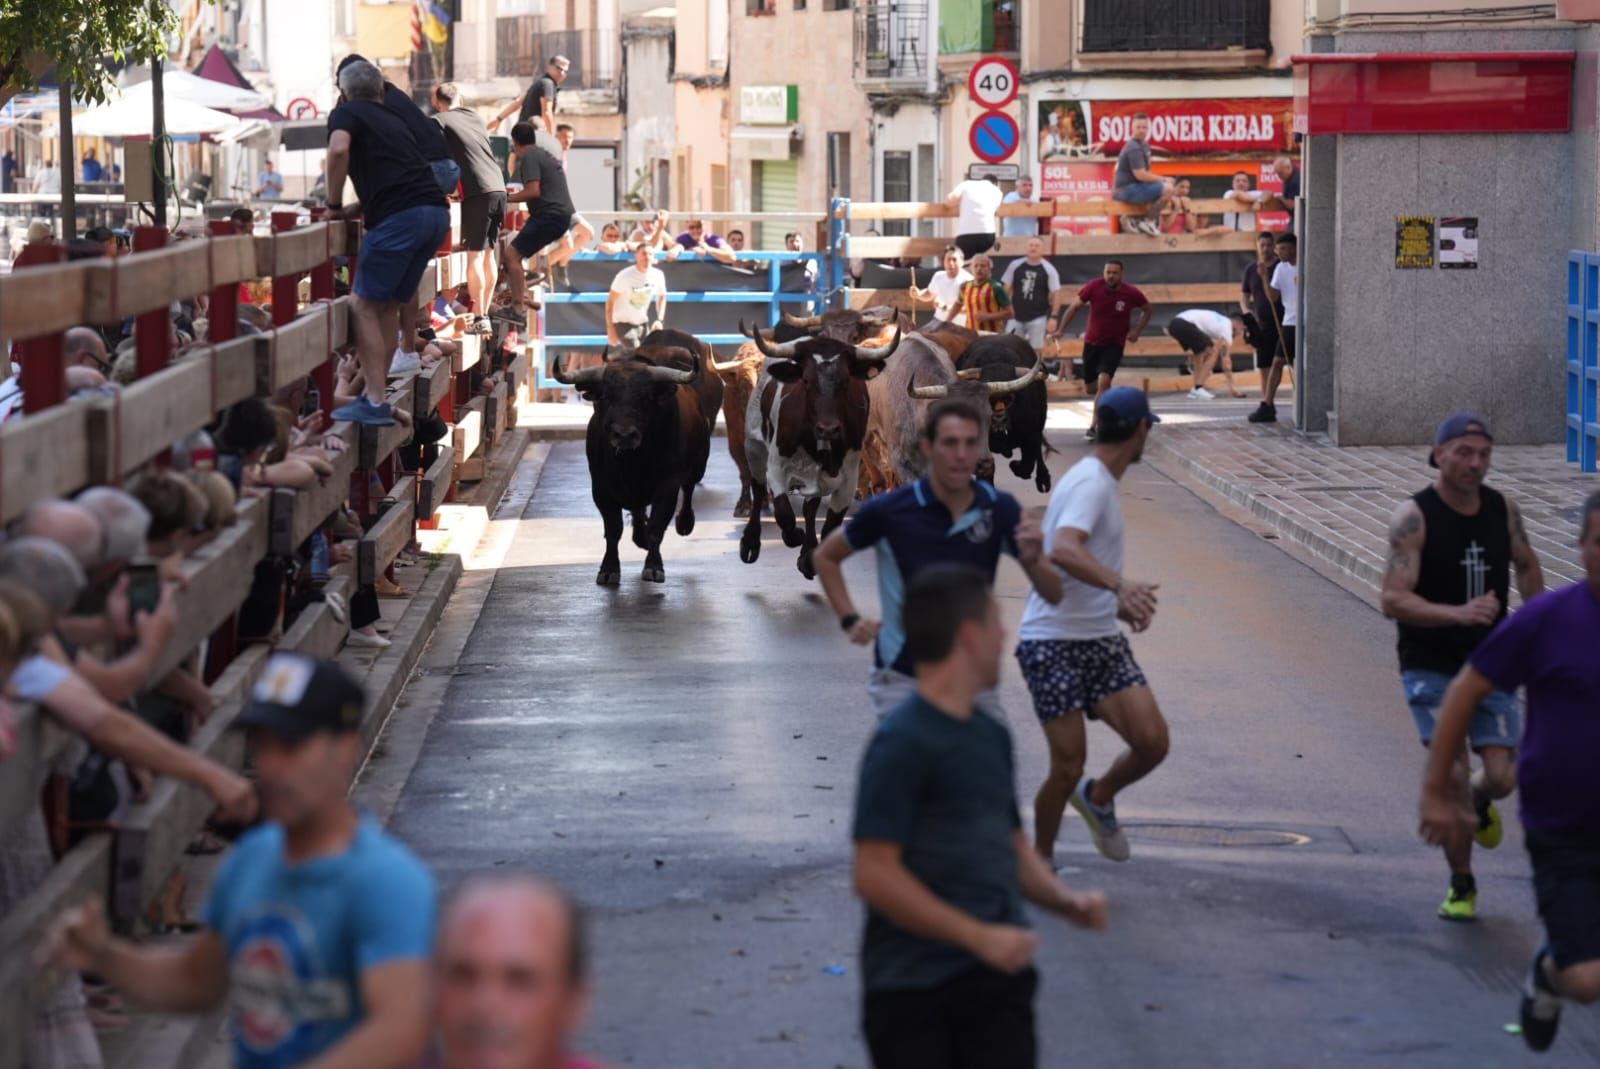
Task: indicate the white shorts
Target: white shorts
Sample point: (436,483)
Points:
(1032,329)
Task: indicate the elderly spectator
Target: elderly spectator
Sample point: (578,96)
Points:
(1020,226)
(510,977)
(365,924)
(1134,183)
(975,200)
(405,219)
(696,238)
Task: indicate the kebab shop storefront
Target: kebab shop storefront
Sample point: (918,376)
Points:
(1206,139)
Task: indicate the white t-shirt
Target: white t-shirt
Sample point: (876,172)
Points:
(1085,498)
(635,290)
(1286,280)
(1216,325)
(980,199)
(947,292)
(1241,220)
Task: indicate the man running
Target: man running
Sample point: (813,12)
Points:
(1074,657)
(1451,550)
(948,516)
(1549,648)
(984,301)
(941,860)
(1111,303)
(1031,282)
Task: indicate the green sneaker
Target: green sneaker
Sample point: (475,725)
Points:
(1490,827)
(1460,906)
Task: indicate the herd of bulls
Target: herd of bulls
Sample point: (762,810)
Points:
(827,408)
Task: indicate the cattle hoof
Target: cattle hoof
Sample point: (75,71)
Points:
(807,569)
(741,511)
(1043,481)
(794,538)
(653,575)
(749,549)
(606,578)
(685,523)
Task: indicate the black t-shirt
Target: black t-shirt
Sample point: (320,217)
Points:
(1291,186)
(1031,285)
(945,791)
(468,139)
(554,201)
(389,171)
(1463,557)
(430,139)
(544,88)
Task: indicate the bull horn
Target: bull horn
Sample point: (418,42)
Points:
(803,322)
(879,354)
(582,377)
(928,393)
(1014,385)
(672,374)
(970,374)
(732,365)
(878,316)
(781,351)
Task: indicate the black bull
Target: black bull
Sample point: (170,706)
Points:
(648,441)
(1016,420)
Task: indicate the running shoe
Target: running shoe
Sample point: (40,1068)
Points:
(1490,828)
(1108,837)
(1264,413)
(1200,393)
(403,363)
(364,410)
(1148,226)
(1459,905)
(1541,1006)
(1088,434)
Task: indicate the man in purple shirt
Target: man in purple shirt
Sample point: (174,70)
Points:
(1549,647)
(698,239)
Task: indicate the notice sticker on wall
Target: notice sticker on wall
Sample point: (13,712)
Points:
(1413,240)
(1458,242)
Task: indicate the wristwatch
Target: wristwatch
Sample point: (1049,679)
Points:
(848,623)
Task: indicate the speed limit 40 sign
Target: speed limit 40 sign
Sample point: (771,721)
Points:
(993,82)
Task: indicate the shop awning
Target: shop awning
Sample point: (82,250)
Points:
(744,132)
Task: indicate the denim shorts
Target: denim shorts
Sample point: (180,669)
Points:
(1496,722)
(1140,192)
(396,252)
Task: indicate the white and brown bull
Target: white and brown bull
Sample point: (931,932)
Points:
(804,428)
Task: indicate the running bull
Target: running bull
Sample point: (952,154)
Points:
(1016,417)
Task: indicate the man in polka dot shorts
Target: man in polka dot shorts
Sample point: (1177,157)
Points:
(1074,657)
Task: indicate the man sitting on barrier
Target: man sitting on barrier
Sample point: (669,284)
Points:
(406,221)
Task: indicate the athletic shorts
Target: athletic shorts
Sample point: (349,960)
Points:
(1286,344)
(1031,329)
(972,244)
(481,216)
(629,335)
(978,1017)
(1072,675)
(1099,360)
(1566,882)
(396,252)
(887,689)
(1140,192)
(1497,721)
(537,232)
(1191,337)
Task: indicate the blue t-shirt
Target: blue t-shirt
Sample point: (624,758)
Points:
(298,937)
(911,529)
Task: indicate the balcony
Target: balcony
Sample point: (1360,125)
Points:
(968,27)
(1123,26)
(523,47)
(891,44)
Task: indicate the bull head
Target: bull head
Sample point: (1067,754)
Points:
(771,350)
(934,393)
(591,376)
(811,323)
(878,354)
(880,316)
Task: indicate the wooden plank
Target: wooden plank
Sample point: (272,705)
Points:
(146,281)
(494,413)
(431,386)
(1187,294)
(935,210)
(297,513)
(44,299)
(294,252)
(233,259)
(298,348)
(1067,245)
(43,455)
(219,577)
(390,534)
(1157,345)
(38,739)
(471,352)
(469,429)
(1117,207)
(428,288)
(473,469)
(435,483)
(343,328)
(376,443)
(316,631)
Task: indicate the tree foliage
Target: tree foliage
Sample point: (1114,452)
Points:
(77,37)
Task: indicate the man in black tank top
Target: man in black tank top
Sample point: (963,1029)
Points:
(1452,548)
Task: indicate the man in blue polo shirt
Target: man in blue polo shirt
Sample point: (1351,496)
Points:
(946,517)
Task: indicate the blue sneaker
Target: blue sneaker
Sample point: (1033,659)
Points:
(363,410)
(1103,827)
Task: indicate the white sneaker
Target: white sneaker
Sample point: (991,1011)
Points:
(404,363)
(1200,393)
(1148,226)
(365,641)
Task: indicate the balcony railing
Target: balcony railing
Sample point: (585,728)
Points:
(523,47)
(1176,25)
(891,42)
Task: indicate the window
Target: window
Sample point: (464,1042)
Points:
(838,165)
(760,7)
(719,187)
(799,5)
(344,18)
(897,189)
(717,35)
(1160,25)
(836,5)
(926,193)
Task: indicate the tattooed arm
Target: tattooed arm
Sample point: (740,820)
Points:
(1530,575)
(1400,599)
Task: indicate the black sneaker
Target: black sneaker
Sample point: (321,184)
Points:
(1541,1006)
(1264,413)
(1088,435)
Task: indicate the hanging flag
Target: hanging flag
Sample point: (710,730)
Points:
(416,26)
(436,24)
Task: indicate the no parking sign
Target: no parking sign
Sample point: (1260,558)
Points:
(994,137)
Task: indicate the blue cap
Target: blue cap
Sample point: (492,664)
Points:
(1458,426)
(1124,407)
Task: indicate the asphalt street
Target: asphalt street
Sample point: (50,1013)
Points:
(683,757)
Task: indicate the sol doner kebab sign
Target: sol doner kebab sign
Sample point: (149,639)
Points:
(1072,127)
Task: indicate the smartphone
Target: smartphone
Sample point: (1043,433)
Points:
(313,402)
(144,586)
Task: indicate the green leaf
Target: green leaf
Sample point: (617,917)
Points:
(78,38)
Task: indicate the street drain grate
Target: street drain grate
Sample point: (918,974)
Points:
(1213,835)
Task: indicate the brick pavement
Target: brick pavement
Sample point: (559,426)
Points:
(1335,503)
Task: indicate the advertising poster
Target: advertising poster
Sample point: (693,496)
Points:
(1413,241)
(1083,180)
(1070,128)
(1458,242)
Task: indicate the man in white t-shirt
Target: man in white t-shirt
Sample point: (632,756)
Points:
(1245,197)
(1284,288)
(1207,337)
(976,201)
(1074,657)
(634,289)
(944,288)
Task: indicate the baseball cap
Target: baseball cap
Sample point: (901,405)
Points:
(1458,426)
(1124,407)
(297,696)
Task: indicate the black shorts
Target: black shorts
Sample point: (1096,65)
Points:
(1566,881)
(539,231)
(1100,360)
(481,217)
(1286,344)
(972,244)
(981,1019)
(1191,337)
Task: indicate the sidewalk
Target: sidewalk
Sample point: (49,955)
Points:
(1335,503)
